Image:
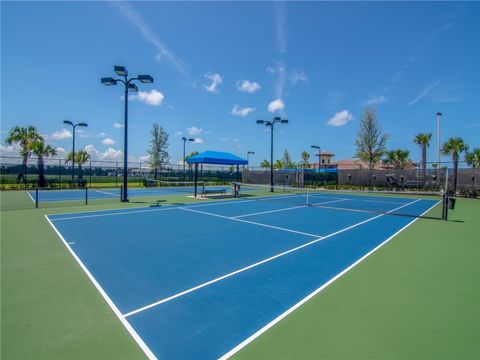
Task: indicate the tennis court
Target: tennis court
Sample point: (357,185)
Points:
(201,281)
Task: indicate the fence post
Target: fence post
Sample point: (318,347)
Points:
(116,174)
(90,174)
(36,197)
(60,173)
(86,195)
(121,193)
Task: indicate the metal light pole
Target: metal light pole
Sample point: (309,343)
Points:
(271,124)
(248,157)
(184,141)
(438,146)
(129,87)
(74,126)
(319,155)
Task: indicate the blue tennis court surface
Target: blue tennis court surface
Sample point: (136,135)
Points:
(200,281)
(114,193)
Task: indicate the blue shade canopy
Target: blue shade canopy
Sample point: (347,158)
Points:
(216,157)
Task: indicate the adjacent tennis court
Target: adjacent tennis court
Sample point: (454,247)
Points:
(201,281)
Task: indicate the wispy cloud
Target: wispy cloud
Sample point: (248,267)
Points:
(297,76)
(247,86)
(474,125)
(162,51)
(340,118)
(280,19)
(61,135)
(108,141)
(214,81)
(194,130)
(426,90)
(117,125)
(239,111)
(198,141)
(375,100)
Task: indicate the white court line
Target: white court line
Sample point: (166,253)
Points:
(106,192)
(311,295)
(28,193)
(250,222)
(258,263)
(284,209)
(117,312)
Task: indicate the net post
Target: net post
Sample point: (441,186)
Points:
(36,198)
(86,195)
(121,193)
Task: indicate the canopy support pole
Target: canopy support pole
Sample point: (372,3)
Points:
(238,173)
(196,178)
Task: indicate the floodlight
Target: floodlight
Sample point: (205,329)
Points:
(67,122)
(132,88)
(284,121)
(276,118)
(315,147)
(260,121)
(109,81)
(191,139)
(82,124)
(120,70)
(146,79)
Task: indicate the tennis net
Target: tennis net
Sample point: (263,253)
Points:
(178,186)
(379,202)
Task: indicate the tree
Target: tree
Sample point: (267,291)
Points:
(398,158)
(370,140)
(278,164)
(473,158)
(24,136)
(158,149)
(423,140)
(305,156)
(81,157)
(454,147)
(193,153)
(287,160)
(41,150)
(265,164)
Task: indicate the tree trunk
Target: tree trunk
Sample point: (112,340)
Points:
(42,182)
(23,169)
(80,172)
(155,173)
(424,162)
(455,171)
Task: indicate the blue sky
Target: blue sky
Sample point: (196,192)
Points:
(219,66)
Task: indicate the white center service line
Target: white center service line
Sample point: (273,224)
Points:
(146,307)
(250,222)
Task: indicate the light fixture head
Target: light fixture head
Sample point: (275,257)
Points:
(132,88)
(109,81)
(260,121)
(68,122)
(120,70)
(284,121)
(276,118)
(184,138)
(191,139)
(146,79)
(315,147)
(82,124)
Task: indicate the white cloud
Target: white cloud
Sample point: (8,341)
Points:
(10,150)
(238,111)
(117,125)
(108,141)
(60,150)
(227,139)
(281,73)
(247,86)
(298,76)
(152,97)
(270,70)
(109,154)
(61,134)
(162,51)
(215,80)
(376,100)
(198,141)
(280,19)
(276,105)
(194,130)
(178,133)
(340,118)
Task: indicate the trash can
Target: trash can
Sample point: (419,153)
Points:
(451,203)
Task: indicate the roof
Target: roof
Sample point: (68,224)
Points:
(216,157)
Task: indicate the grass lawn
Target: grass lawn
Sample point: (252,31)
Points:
(417,297)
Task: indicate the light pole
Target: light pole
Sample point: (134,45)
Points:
(248,157)
(129,86)
(319,155)
(184,141)
(271,124)
(438,146)
(74,126)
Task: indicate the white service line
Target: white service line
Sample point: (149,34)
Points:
(146,307)
(102,292)
(250,222)
(106,192)
(311,295)
(28,193)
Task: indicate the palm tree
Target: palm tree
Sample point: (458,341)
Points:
(278,164)
(398,158)
(265,164)
(454,147)
(423,140)
(81,157)
(305,156)
(473,158)
(41,150)
(24,136)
